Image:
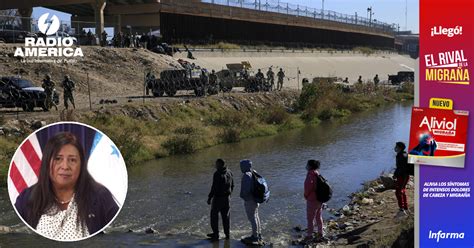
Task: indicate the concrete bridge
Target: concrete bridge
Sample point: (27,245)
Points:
(194,20)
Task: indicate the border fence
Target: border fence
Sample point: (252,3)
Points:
(281,7)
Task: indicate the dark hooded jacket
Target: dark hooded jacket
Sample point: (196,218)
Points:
(222,183)
(402,169)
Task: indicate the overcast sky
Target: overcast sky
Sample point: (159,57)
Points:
(389,11)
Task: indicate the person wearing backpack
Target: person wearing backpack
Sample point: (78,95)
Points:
(251,205)
(219,199)
(313,205)
(402,176)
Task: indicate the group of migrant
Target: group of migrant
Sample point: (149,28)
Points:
(255,191)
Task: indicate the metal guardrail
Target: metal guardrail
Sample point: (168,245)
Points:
(277,6)
(285,50)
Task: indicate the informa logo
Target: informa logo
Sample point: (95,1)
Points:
(49,47)
(444,235)
(48,27)
(447,67)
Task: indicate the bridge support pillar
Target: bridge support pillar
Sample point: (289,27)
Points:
(118,23)
(99,6)
(25,14)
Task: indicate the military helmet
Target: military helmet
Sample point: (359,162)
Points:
(67,77)
(48,76)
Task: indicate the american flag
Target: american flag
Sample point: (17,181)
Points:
(25,167)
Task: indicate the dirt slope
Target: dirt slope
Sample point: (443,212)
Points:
(112,72)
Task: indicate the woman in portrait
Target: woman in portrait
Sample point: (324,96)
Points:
(66,203)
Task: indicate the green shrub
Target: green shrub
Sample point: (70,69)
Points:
(186,130)
(325,114)
(232,118)
(276,115)
(180,144)
(230,135)
(407,87)
(291,123)
(129,141)
(126,133)
(259,131)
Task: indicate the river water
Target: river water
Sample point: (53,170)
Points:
(169,194)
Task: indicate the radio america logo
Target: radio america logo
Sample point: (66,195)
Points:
(48,28)
(50,45)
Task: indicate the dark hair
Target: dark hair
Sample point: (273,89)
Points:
(314,164)
(43,197)
(220,163)
(401,145)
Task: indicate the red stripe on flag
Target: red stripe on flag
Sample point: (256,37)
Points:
(32,157)
(17,178)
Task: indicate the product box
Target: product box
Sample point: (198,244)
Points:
(438,137)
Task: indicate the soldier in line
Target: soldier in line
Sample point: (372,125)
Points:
(90,38)
(245,74)
(260,78)
(68,87)
(376,80)
(271,78)
(359,80)
(104,38)
(144,39)
(48,86)
(213,84)
(281,77)
(346,81)
(137,40)
(213,78)
(149,81)
(204,77)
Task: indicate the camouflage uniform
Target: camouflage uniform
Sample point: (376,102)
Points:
(48,86)
(213,85)
(260,79)
(149,82)
(376,80)
(281,77)
(213,78)
(271,78)
(68,86)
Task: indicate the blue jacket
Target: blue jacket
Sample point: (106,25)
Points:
(247,184)
(102,208)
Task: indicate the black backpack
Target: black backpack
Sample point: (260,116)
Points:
(261,192)
(323,190)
